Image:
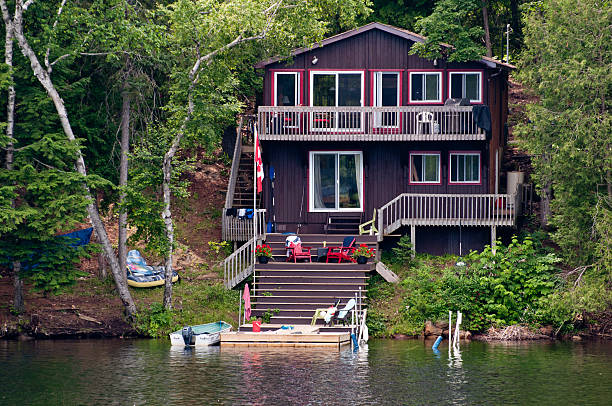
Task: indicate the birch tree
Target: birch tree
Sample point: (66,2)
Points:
(212,35)
(43,75)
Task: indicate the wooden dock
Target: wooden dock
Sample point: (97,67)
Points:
(299,337)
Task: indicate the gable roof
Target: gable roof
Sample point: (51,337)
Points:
(400,32)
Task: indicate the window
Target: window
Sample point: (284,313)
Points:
(425,167)
(386,93)
(287,88)
(466,85)
(286,93)
(464,167)
(336,89)
(425,87)
(336,181)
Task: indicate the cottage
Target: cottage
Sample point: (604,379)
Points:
(357,129)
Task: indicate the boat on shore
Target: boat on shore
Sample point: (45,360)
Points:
(200,335)
(148,280)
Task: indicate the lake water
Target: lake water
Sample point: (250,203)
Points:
(387,372)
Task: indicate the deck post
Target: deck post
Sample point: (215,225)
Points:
(493,238)
(413,240)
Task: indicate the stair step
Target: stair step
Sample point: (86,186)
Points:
(273,279)
(305,273)
(349,266)
(295,306)
(336,293)
(297,320)
(302,300)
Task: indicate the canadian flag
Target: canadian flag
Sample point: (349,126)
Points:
(258,163)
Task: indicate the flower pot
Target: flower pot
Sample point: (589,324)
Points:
(263,260)
(362,260)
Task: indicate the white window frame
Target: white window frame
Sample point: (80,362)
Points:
(311,97)
(463,73)
(337,190)
(377,96)
(438,100)
(297,92)
(426,182)
(463,182)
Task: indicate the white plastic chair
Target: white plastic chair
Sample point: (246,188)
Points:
(425,117)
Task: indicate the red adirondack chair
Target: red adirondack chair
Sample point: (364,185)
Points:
(297,251)
(344,252)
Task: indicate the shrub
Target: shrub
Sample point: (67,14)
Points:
(501,288)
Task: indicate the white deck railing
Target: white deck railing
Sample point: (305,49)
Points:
(241,229)
(416,209)
(240,264)
(401,123)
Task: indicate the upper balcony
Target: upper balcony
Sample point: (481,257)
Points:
(400,123)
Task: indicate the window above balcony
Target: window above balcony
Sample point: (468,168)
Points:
(465,85)
(425,87)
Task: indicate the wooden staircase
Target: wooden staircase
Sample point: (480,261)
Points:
(243,190)
(292,291)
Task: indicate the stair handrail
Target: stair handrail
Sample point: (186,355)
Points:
(229,196)
(240,264)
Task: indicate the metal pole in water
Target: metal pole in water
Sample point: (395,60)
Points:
(239,312)
(450,331)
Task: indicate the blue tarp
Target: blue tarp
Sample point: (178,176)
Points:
(80,237)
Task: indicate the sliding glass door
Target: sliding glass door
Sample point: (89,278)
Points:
(336,89)
(336,181)
(386,93)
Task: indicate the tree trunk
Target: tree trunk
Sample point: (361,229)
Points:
(167,216)
(517,27)
(546,196)
(485,20)
(123,176)
(18,306)
(45,80)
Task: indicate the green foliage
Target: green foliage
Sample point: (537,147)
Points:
(267,315)
(566,62)
(156,321)
(201,303)
(453,22)
(51,266)
(502,288)
(223,248)
(402,254)
(400,13)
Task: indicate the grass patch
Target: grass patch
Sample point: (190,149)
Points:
(195,302)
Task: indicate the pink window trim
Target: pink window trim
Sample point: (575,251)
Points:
(481,71)
(479,167)
(441,101)
(438,153)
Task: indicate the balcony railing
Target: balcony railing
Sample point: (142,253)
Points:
(419,209)
(403,123)
(235,228)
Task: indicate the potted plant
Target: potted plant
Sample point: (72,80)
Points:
(362,253)
(263,253)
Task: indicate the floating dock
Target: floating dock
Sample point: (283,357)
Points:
(298,337)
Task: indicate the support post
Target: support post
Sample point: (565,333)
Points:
(413,240)
(493,238)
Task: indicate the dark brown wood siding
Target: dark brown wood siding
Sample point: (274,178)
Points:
(386,175)
(371,50)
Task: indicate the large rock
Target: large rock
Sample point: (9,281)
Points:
(430,329)
(546,330)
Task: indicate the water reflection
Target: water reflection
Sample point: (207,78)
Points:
(150,372)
